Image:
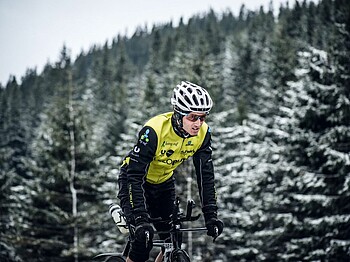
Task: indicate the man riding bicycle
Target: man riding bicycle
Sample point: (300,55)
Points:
(146,181)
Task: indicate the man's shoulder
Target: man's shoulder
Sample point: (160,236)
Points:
(158,121)
(163,116)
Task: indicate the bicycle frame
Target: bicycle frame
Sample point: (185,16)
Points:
(170,249)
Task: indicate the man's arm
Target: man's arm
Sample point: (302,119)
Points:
(203,163)
(206,184)
(140,158)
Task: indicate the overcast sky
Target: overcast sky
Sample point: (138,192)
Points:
(34,31)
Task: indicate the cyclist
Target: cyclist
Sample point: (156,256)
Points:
(146,181)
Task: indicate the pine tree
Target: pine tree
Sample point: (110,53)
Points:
(313,128)
(62,165)
(16,179)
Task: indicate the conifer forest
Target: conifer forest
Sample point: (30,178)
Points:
(280,81)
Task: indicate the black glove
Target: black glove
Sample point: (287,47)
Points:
(214,225)
(142,242)
(144,232)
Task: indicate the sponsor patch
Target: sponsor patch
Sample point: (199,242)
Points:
(144,139)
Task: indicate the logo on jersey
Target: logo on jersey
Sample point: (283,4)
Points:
(165,143)
(186,152)
(144,139)
(172,162)
(189,143)
(169,153)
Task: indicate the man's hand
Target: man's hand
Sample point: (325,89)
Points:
(143,239)
(144,232)
(214,226)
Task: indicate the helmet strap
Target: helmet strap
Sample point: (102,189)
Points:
(177,123)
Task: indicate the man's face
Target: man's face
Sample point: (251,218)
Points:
(193,122)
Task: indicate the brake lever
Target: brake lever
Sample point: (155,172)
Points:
(216,233)
(190,205)
(147,238)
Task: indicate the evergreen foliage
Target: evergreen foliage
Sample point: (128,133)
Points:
(280,125)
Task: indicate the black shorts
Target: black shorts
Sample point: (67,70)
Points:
(160,200)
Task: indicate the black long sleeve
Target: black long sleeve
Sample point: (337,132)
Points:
(203,163)
(140,158)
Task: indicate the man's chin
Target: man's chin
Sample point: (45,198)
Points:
(194,132)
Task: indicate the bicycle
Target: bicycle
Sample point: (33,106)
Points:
(173,251)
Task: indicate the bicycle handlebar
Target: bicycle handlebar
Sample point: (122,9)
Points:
(177,216)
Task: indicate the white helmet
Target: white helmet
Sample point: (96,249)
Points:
(189,97)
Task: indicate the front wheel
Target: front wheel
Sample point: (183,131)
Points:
(179,255)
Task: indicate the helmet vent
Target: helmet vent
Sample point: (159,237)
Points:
(195,100)
(182,104)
